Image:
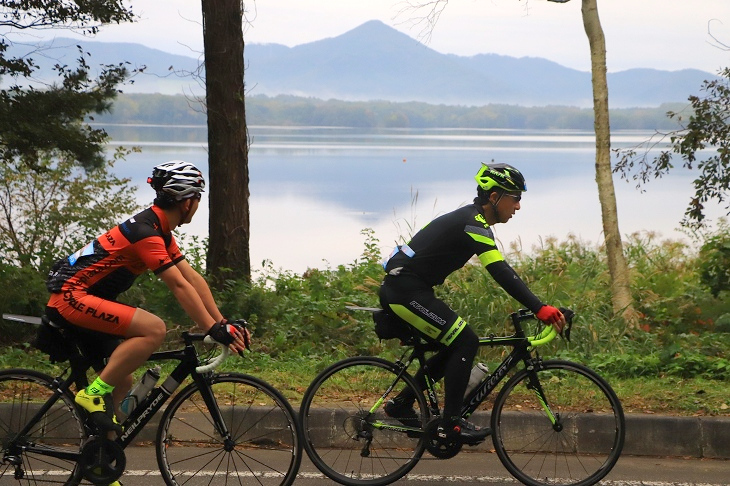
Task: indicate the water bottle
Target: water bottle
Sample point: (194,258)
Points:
(138,392)
(478,373)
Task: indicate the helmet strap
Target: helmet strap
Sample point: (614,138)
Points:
(495,204)
(184,215)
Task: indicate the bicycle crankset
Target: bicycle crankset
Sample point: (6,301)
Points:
(437,447)
(102,460)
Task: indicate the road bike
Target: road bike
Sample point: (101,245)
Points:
(222,428)
(553,421)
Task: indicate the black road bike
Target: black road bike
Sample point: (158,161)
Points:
(221,429)
(554,422)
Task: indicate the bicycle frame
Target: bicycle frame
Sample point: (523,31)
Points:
(143,413)
(522,352)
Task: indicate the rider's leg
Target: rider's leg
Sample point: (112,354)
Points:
(145,334)
(436,370)
(461,353)
(454,365)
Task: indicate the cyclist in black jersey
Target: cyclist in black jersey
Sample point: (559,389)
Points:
(442,246)
(84,287)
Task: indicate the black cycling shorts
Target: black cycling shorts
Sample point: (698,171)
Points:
(416,303)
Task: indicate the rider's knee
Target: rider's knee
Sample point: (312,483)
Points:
(467,340)
(156,331)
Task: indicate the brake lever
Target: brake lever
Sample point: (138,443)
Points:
(568,314)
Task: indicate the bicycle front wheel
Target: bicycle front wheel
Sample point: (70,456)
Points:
(573,438)
(347,435)
(28,459)
(261,445)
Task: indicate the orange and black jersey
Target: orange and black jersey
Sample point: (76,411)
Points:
(108,265)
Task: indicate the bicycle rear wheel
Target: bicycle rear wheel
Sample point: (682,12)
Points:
(346,437)
(22,393)
(583,444)
(263,446)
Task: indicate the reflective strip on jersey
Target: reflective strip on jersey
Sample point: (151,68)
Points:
(421,324)
(491,256)
(482,235)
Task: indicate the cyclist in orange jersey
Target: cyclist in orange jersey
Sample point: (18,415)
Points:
(84,287)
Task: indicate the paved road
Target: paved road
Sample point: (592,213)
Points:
(485,468)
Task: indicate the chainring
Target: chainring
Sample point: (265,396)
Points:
(437,447)
(102,460)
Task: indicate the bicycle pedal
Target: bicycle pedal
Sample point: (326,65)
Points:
(104,423)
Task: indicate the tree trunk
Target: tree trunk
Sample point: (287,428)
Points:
(228,250)
(618,269)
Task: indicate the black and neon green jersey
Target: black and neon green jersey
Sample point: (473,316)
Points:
(447,243)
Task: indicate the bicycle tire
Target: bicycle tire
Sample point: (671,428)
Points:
(581,448)
(22,393)
(335,418)
(263,446)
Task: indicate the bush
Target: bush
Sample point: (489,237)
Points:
(714,259)
(24,292)
(684,331)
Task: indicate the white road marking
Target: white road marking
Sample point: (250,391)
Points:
(426,478)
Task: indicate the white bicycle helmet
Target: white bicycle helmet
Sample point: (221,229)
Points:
(178,179)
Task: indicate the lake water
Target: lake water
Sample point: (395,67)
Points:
(313,189)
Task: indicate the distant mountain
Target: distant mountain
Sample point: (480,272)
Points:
(377,62)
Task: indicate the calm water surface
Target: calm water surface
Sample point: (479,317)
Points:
(328,184)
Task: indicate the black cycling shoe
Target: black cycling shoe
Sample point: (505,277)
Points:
(462,431)
(404,413)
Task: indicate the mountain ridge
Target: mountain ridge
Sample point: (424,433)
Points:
(376,62)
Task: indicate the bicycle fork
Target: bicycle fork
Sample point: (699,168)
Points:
(533,384)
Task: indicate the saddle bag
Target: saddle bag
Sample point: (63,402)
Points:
(52,340)
(390,326)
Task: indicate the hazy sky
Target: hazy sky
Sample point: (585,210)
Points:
(661,34)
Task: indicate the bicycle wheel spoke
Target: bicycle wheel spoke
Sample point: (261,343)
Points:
(583,444)
(346,439)
(260,444)
(60,429)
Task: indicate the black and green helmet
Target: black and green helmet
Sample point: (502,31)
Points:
(503,176)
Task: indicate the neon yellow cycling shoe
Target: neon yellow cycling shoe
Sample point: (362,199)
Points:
(101,410)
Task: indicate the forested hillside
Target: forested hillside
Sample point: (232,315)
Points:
(296,111)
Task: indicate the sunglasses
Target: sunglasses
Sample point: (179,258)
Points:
(516,197)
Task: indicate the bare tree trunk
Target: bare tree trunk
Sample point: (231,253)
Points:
(228,250)
(618,269)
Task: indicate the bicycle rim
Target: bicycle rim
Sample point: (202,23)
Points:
(343,439)
(263,447)
(584,444)
(22,393)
